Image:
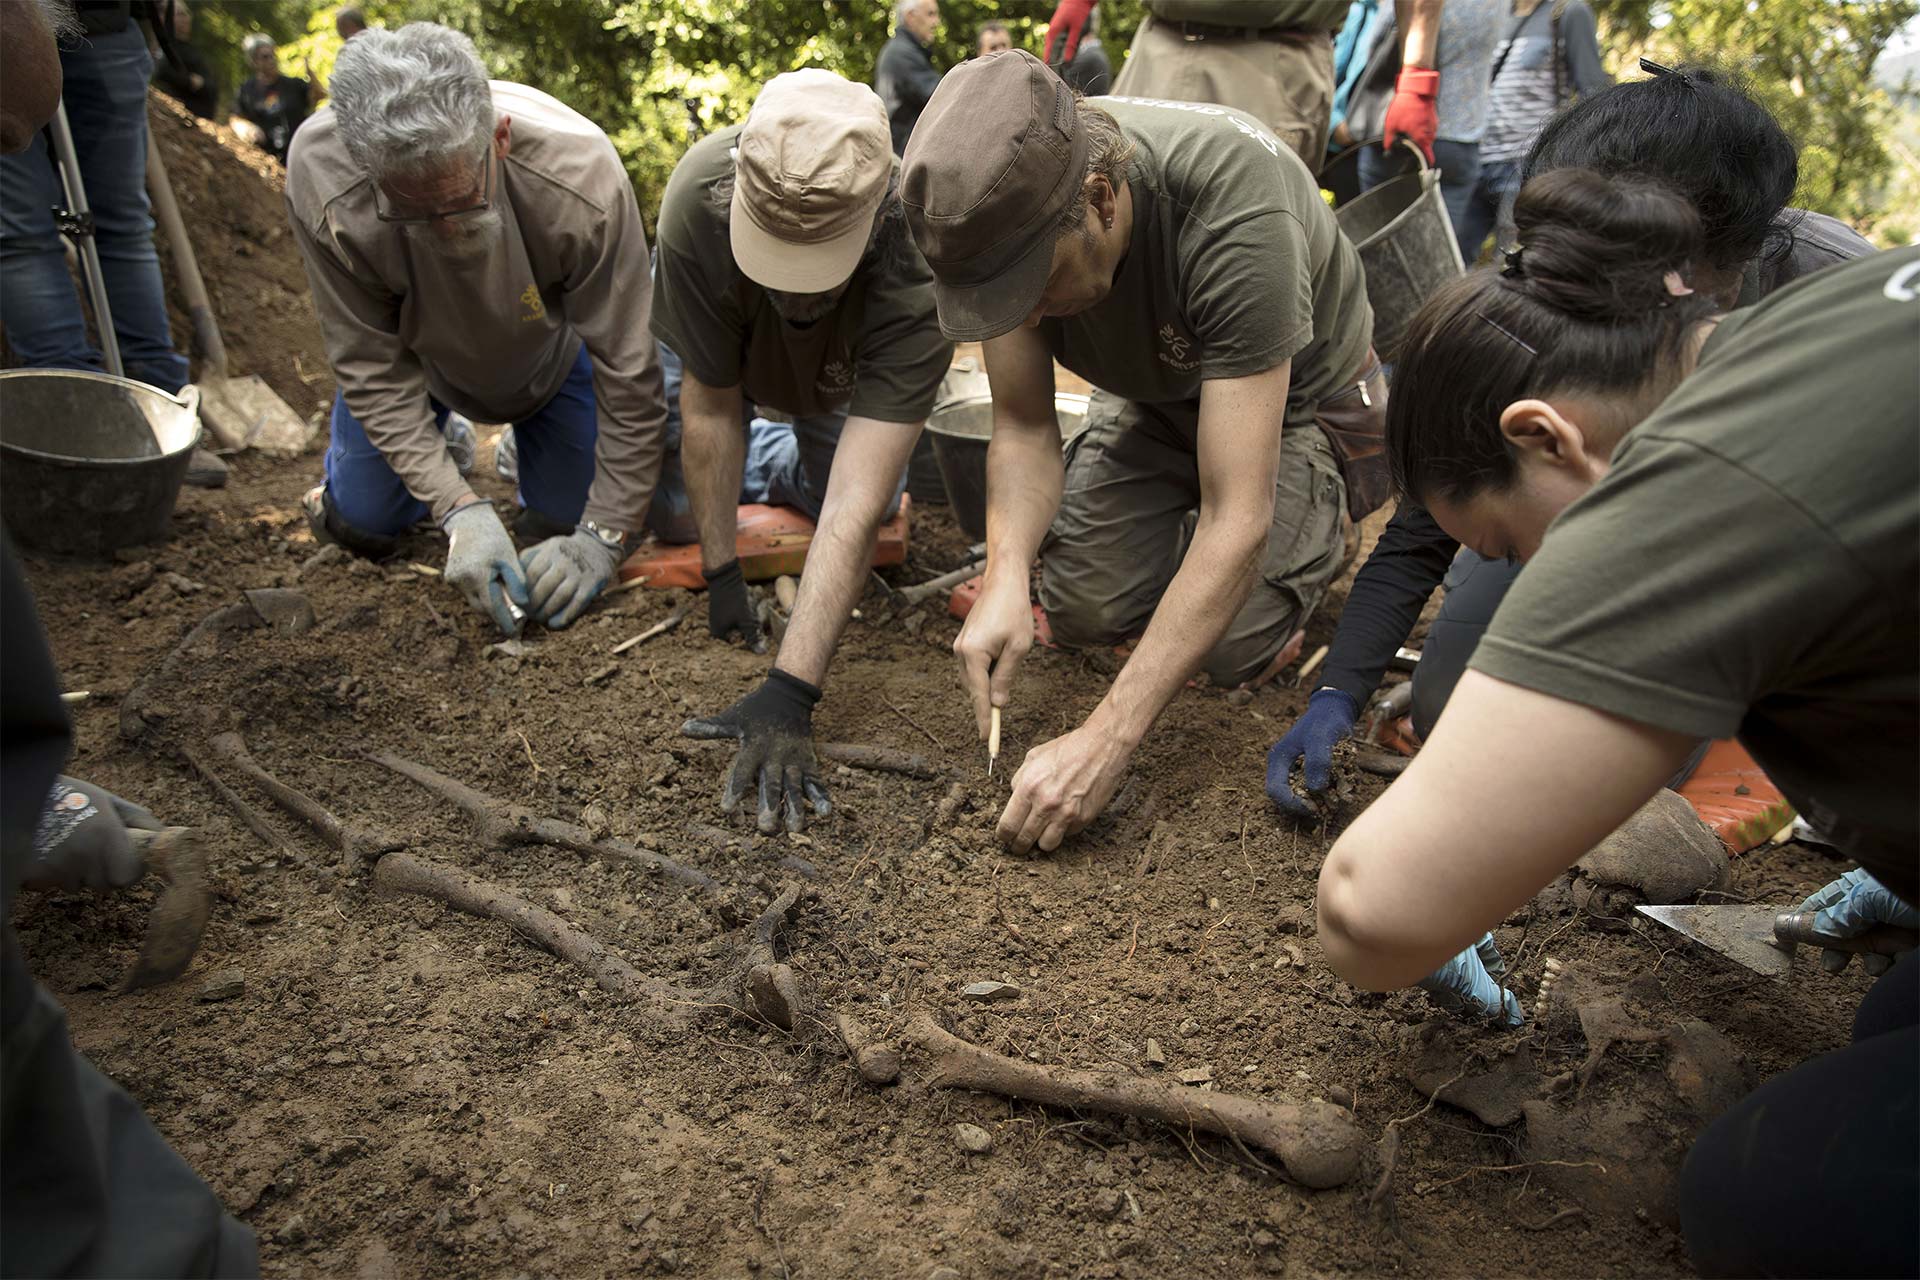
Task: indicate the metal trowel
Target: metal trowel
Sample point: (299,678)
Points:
(1763,938)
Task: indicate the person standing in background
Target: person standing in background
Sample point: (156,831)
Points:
(183,72)
(1271,59)
(106,75)
(349,22)
(1440,102)
(1550,56)
(1088,70)
(992,38)
(904,75)
(270,104)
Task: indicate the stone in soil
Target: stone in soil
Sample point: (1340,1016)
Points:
(972,1139)
(224,984)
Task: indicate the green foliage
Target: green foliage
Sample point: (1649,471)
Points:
(1810,61)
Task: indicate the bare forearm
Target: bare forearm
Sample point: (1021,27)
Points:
(1025,476)
(713,452)
(1213,582)
(1420,21)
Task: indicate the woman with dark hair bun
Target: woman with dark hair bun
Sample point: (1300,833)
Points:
(1694,132)
(1721,519)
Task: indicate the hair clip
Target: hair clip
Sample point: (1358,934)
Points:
(1508,334)
(1676,287)
(1653,68)
(1515,267)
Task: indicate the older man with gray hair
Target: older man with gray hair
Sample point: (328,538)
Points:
(475,246)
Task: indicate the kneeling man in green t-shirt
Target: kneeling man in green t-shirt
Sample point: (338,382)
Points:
(1180,259)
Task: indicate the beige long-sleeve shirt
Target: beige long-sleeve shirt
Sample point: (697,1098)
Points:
(493,338)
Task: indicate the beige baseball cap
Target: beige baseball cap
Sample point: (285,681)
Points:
(809,172)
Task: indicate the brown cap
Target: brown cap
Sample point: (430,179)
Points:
(809,172)
(995,160)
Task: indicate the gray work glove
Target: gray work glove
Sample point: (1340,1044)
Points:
(1853,904)
(81,842)
(565,573)
(1470,983)
(482,563)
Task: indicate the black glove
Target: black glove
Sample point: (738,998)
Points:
(730,610)
(81,842)
(774,724)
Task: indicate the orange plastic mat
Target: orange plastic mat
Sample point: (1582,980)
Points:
(771,541)
(1735,797)
(961,603)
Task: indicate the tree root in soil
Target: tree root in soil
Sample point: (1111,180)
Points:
(255,821)
(880,759)
(355,843)
(504,825)
(1319,1143)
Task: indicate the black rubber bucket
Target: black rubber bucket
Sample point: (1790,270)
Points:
(90,463)
(960,430)
(1406,244)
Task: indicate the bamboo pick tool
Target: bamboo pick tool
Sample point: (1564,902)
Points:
(993,739)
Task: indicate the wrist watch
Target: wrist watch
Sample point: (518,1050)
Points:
(613,538)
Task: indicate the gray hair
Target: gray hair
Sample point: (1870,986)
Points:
(408,101)
(255,43)
(905,9)
(62,22)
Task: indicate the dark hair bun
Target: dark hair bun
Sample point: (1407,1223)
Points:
(1599,248)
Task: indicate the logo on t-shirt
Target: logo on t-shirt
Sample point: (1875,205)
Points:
(1174,347)
(531,300)
(836,379)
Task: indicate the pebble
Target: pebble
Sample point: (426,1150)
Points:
(1195,1075)
(223,985)
(943,1273)
(1239,697)
(1340,1096)
(293,1231)
(972,1139)
(984,991)
(1156,1056)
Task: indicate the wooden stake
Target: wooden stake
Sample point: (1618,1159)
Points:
(660,628)
(993,740)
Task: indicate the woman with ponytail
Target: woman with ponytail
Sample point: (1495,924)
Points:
(1720,518)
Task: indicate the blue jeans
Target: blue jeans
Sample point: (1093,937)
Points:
(555,443)
(786,465)
(1459,165)
(106,97)
(1489,206)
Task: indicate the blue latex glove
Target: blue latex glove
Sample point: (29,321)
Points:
(1470,983)
(482,563)
(1853,904)
(1329,718)
(565,573)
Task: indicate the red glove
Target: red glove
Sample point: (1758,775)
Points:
(1064,29)
(1414,112)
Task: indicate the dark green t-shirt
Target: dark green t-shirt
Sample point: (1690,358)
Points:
(1235,265)
(879,353)
(1750,565)
(1307,15)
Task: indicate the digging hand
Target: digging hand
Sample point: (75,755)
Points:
(1061,787)
(730,610)
(81,842)
(1853,904)
(774,725)
(1470,983)
(565,573)
(1328,720)
(482,563)
(997,634)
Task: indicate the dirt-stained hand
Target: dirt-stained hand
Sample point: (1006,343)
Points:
(997,634)
(774,725)
(1061,787)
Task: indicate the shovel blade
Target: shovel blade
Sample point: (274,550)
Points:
(179,914)
(1742,934)
(244,413)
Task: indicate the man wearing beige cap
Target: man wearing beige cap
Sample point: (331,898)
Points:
(1180,258)
(785,277)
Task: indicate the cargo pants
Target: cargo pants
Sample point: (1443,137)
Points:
(1282,79)
(1127,516)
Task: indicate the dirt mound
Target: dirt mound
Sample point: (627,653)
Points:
(232,198)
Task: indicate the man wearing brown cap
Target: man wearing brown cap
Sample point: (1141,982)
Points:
(1180,258)
(785,276)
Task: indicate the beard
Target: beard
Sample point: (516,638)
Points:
(804,309)
(471,240)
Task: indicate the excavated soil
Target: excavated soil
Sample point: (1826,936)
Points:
(400,1090)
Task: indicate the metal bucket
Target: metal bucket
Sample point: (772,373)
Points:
(960,430)
(89,462)
(1406,244)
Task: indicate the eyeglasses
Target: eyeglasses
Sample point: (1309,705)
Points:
(482,202)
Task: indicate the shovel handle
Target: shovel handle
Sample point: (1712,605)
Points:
(1881,940)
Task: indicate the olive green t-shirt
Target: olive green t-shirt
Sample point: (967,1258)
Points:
(879,353)
(1296,15)
(1750,565)
(1235,265)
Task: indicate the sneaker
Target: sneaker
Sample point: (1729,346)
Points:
(206,470)
(506,457)
(462,443)
(314,503)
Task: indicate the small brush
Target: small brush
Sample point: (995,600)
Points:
(993,740)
